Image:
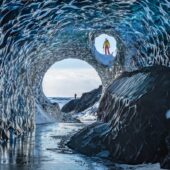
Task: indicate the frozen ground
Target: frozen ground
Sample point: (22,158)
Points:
(106,60)
(45,149)
(89,114)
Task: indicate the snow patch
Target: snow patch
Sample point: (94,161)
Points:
(140,167)
(90,114)
(106,60)
(168,114)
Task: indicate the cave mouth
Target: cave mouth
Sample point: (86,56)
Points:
(102,41)
(68,77)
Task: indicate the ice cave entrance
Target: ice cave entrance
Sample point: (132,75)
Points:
(106,45)
(68,77)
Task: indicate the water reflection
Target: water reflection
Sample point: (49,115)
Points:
(17,151)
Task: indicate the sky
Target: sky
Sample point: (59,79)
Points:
(70,76)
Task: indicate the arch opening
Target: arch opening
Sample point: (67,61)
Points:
(106,44)
(70,78)
(105,48)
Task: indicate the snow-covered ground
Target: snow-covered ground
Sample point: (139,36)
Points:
(106,60)
(90,114)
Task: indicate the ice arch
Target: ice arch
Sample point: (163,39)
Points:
(39,70)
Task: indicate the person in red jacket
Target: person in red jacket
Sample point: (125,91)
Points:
(106,47)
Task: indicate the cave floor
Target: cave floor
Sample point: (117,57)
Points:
(45,149)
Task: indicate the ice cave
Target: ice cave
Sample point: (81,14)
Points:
(132,125)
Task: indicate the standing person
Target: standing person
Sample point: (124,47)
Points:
(75,96)
(106,47)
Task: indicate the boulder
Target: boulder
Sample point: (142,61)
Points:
(134,121)
(85,101)
(70,106)
(89,140)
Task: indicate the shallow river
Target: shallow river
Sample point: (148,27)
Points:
(45,150)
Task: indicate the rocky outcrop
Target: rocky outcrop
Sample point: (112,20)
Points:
(87,100)
(134,123)
(70,106)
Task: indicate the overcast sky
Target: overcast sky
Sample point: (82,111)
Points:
(70,76)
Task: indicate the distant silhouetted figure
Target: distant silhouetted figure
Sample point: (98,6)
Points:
(75,96)
(106,47)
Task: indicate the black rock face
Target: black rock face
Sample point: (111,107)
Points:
(87,100)
(88,141)
(70,106)
(133,114)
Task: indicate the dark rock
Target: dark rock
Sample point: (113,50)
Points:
(89,140)
(70,106)
(69,118)
(133,111)
(87,100)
